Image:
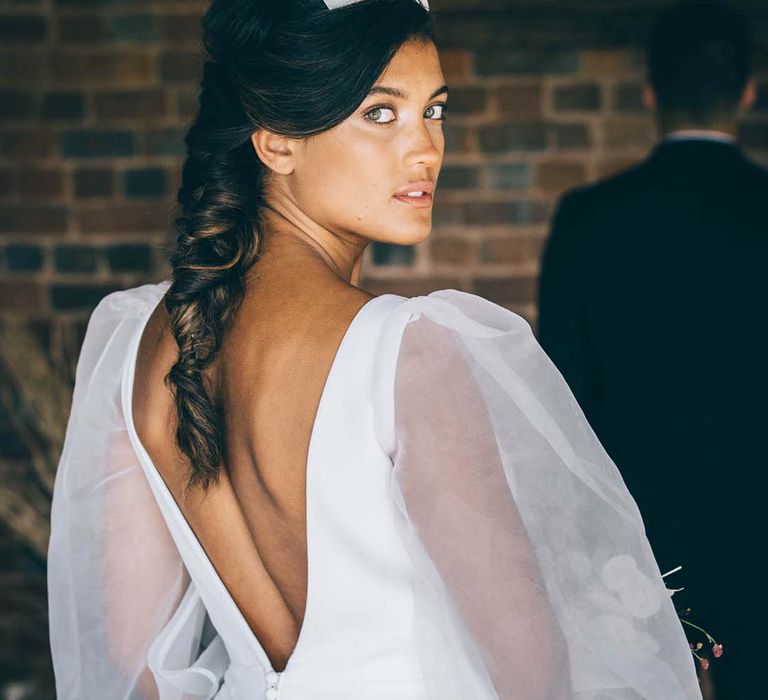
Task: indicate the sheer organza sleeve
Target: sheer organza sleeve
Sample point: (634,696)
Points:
(115,578)
(534,577)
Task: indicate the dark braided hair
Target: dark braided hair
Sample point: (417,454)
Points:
(292,67)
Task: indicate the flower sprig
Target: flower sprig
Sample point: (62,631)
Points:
(697,649)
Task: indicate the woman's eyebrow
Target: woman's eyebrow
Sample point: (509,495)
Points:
(396,92)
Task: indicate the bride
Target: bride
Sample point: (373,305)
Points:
(276,485)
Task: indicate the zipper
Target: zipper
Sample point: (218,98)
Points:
(273,681)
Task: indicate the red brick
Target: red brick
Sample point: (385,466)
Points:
(521,61)
(134,66)
(457,138)
(21,297)
(519,101)
(7,186)
(579,97)
(27,144)
(456,64)
(612,166)
(451,251)
(411,286)
(629,132)
(628,97)
(512,250)
(468,100)
(127,66)
(140,104)
(38,183)
(507,291)
(181,29)
(93,182)
(501,138)
(181,67)
(446,212)
(186,104)
(459,177)
(22,218)
(22,67)
(125,218)
(558,175)
(611,62)
(75,258)
(81,29)
(511,176)
(168,141)
(138,28)
(521,211)
(571,135)
(79,297)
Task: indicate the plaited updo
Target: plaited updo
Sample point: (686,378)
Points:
(292,67)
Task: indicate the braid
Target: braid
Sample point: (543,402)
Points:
(217,241)
(293,68)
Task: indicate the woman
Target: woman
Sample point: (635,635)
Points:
(275,485)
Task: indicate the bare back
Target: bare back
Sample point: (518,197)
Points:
(269,376)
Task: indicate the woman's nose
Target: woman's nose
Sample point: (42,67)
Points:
(426,146)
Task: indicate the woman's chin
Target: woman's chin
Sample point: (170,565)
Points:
(411,234)
(406,241)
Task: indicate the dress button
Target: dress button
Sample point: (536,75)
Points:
(271,677)
(271,693)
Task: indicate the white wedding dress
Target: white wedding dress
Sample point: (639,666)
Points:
(468,537)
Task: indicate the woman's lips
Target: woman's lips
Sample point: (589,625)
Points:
(420,201)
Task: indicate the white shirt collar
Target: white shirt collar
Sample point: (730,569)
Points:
(699,135)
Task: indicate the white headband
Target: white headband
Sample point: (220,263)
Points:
(336,4)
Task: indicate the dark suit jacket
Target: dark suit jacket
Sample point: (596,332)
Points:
(654,306)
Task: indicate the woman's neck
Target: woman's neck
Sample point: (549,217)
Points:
(292,240)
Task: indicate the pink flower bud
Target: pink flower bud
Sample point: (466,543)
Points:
(717,650)
(704,663)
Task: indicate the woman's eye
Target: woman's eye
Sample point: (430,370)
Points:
(435,112)
(381,115)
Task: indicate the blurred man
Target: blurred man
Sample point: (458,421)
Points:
(654,305)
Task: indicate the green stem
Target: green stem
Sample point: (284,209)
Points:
(709,637)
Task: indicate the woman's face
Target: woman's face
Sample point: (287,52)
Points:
(355,178)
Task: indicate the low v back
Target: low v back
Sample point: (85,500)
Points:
(269,375)
(348,519)
(467,535)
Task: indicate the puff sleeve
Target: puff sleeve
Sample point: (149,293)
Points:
(125,621)
(534,577)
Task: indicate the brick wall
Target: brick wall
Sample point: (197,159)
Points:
(545,96)
(94,99)
(95,94)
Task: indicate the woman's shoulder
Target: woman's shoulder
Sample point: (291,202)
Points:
(460,311)
(440,338)
(112,325)
(444,321)
(121,303)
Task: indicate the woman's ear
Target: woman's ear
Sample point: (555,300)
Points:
(649,96)
(749,96)
(275,151)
